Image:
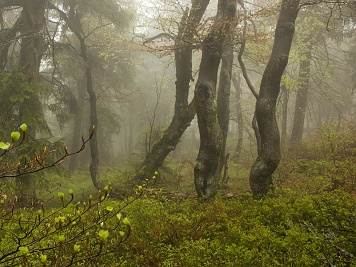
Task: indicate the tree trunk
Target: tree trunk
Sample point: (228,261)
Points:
(7,35)
(77,124)
(302,97)
(130,137)
(205,101)
(32,43)
(94,152)
(223,100)
(245,74)
(73,21)
(183,112)
(31,51)
(284,117)
(236,80)
(269,154)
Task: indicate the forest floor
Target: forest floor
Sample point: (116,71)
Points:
(307,219)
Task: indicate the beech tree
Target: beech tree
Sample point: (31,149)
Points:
(184,43)
(184,111)
(223,99)
(269,153)
(205,96)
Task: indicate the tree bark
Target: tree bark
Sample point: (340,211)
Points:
(302,96)
(183,112)
(245,74)
(7,35)
(284,117)
(32,44)
(269,154)
(223,100)
(236,80)
(31,51)
(94,151)
(205,101)
(78,124)
(73,21)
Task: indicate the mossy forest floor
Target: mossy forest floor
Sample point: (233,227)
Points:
(308,219)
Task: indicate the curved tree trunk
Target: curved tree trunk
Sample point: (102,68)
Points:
(269,154)
(205,101)
(302,97)
(183,112)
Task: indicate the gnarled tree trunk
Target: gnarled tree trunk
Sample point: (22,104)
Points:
(183,112)
(205,101)
(269,153)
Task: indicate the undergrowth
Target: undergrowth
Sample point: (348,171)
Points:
(308,219)
(280,231)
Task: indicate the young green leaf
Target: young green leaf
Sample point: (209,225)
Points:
(4,146)
(103,235)
(24,251)
(23,127)
(61,238)
(43,258)
(76,248)
(109,208)
(126,221)
(15,136)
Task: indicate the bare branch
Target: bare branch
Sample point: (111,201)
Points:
(38,163)
(239,56)
(160,35)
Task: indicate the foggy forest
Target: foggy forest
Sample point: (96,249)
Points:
(178,133)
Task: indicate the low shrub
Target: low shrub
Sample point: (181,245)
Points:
(74,234)
(280,231)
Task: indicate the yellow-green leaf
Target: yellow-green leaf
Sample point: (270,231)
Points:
(103,235)
(4,146)
(15,136)
(24,251)
(23,127)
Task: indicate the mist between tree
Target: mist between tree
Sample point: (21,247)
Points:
(226,99)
